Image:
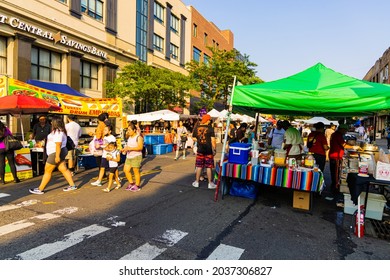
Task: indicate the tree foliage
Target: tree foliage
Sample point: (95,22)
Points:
(155,88)
(215,77)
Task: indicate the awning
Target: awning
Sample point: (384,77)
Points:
(62,88)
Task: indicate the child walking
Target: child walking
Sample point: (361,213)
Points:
(113,157)
(108,138)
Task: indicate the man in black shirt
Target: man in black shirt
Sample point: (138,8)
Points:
(41,129)
(204,136)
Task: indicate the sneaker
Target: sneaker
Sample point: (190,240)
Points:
(176,158)
(212,186)
(130,186)
(184,157)
(135,188)
(35,191)
(69,188)
(96,183)
(195,184)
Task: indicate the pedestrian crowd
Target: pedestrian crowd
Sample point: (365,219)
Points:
(326,143)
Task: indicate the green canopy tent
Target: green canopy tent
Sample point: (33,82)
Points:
(316,91)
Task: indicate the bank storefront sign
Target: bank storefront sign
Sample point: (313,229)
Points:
(16,23)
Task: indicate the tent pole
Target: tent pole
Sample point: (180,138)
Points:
(225,141)
(256,125)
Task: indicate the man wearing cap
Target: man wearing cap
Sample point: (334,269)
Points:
(204,136)
(41,129)
(336,153)
(318,145)
(73,130)
(276,136)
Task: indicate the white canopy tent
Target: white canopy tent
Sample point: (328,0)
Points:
(165,115)
(320,119)
(213,113)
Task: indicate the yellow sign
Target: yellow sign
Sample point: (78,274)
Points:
(23,165)
(70,104)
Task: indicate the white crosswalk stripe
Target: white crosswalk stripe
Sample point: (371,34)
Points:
(149,252)
(4,195)
(69,240)
(15,226)
(226,252)
(8,207)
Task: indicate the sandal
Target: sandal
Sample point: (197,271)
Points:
(106,190)
(118,186)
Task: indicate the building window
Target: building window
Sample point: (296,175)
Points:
(88,75)
(174,51)
(62,1)
(142,30)
(205,39)
(386,75)
(158,43)
(3,55)
(45,65)
(175,24)
(158,12)
(206,59)
(195,30)
(93,8)
(196,54)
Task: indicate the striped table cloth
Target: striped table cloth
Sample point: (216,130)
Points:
(298,179)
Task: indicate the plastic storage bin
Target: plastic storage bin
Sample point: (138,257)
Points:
(153,139)
(239,153)
(160,149)
(375,205)
(169,148)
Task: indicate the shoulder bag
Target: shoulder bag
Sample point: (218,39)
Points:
(11,143)
(70,144)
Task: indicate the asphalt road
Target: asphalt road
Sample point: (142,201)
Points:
(170,220)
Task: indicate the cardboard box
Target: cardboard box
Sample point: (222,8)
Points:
(382,171)
(375,205)
(301,200)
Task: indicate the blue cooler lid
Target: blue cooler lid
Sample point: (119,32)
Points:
(243,146)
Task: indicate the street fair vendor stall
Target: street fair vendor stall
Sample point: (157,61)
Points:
(83,107)
(316,91)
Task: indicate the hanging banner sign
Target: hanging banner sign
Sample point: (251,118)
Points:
(70,104)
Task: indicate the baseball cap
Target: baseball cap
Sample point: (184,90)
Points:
(206,118)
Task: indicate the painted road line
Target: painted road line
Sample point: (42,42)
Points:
(19,205)
(149,252)
(8,207)
(69,240)
(226,252)
(4,195)
(144,252)
(15,226)
(25,223)
(171,237)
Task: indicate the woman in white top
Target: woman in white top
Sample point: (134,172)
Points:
(133,148)
(181,140)
(56,152)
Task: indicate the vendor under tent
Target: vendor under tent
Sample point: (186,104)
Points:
(320,119)
(316,91)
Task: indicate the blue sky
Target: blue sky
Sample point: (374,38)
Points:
(285,37)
